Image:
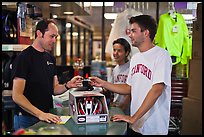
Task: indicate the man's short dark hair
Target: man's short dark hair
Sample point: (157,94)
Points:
(146,22)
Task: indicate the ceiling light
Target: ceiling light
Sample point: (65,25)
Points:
(110,15)
(68,25)
(98,4)
(74,34)
(69,12)
(54,16)
(9,3)
(55,5)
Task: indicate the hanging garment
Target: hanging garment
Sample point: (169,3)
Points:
(119,29)
(172,34)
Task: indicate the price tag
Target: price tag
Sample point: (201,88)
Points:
(64,119)
(175,28)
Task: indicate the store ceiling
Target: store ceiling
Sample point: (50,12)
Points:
(94,19)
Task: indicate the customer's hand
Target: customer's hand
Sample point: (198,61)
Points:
(95,81)
(121,117)
(75,82)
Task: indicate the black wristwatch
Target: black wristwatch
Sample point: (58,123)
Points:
(65,85)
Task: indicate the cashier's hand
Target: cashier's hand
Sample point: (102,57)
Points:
(48,117)
(120,117)
(75,82)
(95,81)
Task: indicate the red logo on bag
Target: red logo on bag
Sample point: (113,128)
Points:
(81,119)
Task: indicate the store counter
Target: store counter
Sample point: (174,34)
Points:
(110,128)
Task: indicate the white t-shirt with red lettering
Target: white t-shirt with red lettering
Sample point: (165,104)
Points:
(119,76)
(146,69)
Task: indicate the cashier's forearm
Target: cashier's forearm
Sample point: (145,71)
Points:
(59,89)
(27,106)
(21,100)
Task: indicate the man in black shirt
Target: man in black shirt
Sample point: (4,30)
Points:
(35,79)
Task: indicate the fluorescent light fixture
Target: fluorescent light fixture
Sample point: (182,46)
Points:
(188,16)
(54,16)
(87,4)
(9,3)
(55,5)
(110,15)
(98,4)
(69,12)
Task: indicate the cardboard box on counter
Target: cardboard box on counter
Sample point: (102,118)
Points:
(197,30)
(199,12)
(191,121)
(197,49)
(195,79)
(87,107)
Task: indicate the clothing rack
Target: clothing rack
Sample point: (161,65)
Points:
(171,6)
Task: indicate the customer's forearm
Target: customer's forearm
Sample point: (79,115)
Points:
(117,88)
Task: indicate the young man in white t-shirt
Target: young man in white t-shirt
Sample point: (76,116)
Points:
(148,82)
(121,53)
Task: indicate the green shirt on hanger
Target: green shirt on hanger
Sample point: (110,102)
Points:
(172,34)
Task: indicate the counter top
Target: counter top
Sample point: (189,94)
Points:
(110,128)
